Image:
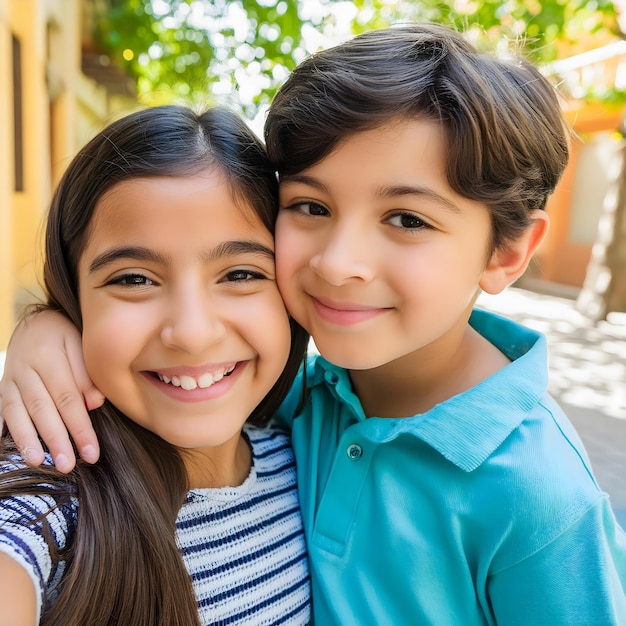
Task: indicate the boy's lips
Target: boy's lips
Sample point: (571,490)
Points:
(345,313)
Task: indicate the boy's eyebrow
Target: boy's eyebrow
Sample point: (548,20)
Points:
(305,180)
(138,253)
(392,191)
(389,191)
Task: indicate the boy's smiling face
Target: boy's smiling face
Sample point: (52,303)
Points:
(377,257)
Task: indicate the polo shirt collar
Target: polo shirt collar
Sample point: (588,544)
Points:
(466,429)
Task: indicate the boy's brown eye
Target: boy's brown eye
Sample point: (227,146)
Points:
(317,209)
(312,208)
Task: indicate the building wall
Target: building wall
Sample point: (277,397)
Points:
(60,110)
(6,174)
(577,204)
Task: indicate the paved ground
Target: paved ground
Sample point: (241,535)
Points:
(587,373)
(587,377)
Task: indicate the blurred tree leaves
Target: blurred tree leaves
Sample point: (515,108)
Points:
(190,49)
(242,51)
(543,30)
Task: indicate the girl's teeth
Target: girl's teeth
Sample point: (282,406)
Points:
(188,383)
(206,380)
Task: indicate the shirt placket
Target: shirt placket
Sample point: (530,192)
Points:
(338,506)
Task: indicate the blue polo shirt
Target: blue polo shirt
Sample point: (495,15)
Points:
(484,510)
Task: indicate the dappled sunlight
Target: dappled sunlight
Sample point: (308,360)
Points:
(587,360)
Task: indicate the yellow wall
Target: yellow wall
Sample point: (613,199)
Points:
(61,109)
(6,174)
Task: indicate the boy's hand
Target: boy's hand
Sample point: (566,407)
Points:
(46,390)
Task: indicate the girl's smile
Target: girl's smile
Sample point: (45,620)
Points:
(206,376)
(207,386)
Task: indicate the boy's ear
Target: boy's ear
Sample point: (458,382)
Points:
(508,264)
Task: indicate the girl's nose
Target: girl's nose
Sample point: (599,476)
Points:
(345,255)
(193,322)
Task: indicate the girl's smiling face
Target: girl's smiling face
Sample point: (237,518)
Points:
(184,329)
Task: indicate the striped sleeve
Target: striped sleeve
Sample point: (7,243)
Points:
(22,537)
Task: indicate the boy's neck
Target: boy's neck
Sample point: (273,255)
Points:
(417,382)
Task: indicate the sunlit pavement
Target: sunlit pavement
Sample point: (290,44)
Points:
(587,377)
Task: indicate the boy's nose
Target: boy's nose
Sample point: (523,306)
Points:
(192,324)
(343,256)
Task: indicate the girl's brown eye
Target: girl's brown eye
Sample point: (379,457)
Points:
(242,276)
(131,280)
(408,221)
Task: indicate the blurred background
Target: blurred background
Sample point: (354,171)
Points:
(68,67)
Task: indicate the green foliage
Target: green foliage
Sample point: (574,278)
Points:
(538,29)
(199,50)
(194,49)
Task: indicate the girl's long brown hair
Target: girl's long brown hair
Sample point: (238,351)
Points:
(123,565)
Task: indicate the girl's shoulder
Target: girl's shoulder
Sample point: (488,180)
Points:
(30,495)
(271,445)
(271,435)
(35,491)
(37,517)
(12,461)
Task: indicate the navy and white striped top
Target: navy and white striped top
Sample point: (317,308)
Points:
(243,546)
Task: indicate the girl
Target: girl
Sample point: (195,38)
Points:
(439,482)
(159,247)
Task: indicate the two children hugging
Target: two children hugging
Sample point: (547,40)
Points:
(439,482)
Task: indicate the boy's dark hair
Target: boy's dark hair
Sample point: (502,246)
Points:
(123,564)
(508,143)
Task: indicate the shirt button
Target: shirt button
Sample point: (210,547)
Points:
(354,452)
(331,377)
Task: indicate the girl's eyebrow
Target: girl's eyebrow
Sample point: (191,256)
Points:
(138,253)
(234,248)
